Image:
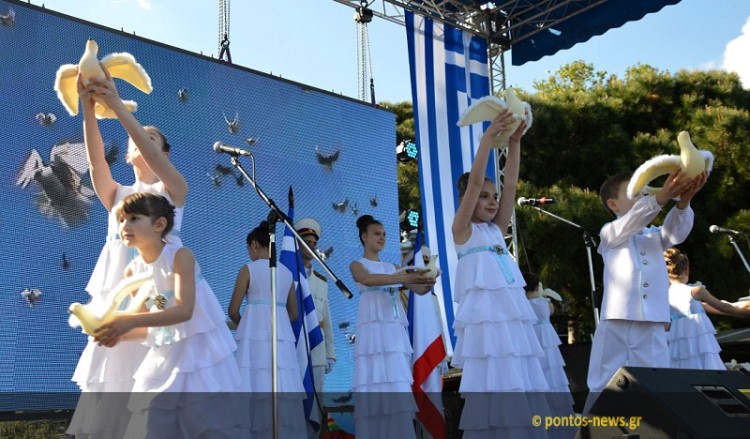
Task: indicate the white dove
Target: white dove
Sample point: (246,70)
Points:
(691,161)
(432,270)
(89,318)
(119,65)
(489,107)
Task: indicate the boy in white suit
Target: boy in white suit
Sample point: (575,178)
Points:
(635,304)
(324,355)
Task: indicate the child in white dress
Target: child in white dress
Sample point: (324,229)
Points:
(254,339)
(182,387)
(384,406)
(104,374)
(559,397)
(691,336)
(495,341)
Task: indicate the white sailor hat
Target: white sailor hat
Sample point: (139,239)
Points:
(308,226)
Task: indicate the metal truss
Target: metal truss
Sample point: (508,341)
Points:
(502,23)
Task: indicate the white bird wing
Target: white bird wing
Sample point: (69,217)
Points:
(104,112)
(552,294)
(29,168)
(73,154)
(486,108)
(529,117)
(124,66)
(66,87)
(709,158)
(650,170)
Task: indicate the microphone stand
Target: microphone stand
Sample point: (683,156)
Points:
(733,241)
(589,242)
(274,216)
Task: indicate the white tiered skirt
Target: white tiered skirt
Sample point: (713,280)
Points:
(384,405)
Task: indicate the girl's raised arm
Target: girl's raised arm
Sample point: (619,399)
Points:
(101,177)
(147,142)
(461,227)
(508,195)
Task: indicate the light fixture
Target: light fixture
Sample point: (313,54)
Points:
(407,151)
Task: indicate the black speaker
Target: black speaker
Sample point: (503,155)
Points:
(671,403)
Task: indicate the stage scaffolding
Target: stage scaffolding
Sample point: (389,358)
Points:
(502,24)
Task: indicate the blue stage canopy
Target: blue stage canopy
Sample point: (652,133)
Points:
(583,23)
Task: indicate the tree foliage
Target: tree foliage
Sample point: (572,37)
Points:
(589,125)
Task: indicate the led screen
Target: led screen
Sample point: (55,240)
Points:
(336,153)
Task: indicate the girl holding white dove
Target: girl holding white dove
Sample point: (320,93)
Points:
(102,370)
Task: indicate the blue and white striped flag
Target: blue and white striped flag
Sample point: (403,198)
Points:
(306,327)
(448,70)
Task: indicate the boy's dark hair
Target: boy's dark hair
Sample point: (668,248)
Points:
(463,183)
(260,235)
(363,223)
(147,204)
(532,281)
(611,187)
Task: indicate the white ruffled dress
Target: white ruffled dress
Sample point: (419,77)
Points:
(560,398)
(254,357)
(101,371)
(384,406)
(691,336)
(182,387)
(496,345)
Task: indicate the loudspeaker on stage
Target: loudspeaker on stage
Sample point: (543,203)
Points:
(671,403)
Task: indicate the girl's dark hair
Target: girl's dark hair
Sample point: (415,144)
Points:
(363,223)
(677,262)
(532,281)
(260,235)
(147,204)
(463,183)
(165,146)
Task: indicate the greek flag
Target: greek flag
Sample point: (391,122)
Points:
(448,70)
(306,328)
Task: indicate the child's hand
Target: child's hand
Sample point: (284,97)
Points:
(696,184)
(105,89)
(419,276)
(109,333)
(86,95)
(501,123)
(675,184)
(520,131)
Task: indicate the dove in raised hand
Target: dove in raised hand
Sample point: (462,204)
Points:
(691,161)
(489,107)
(119,65)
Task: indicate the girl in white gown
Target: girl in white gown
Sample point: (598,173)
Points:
(496,345)
(691,336)
(183,386)
(104,375)
(384,406)
(254,338)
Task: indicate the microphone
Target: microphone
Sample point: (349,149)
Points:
(717,229)
(523,201)
(222,148)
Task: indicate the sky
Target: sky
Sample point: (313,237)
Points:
(315,41)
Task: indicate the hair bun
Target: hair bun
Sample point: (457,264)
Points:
(364,221)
